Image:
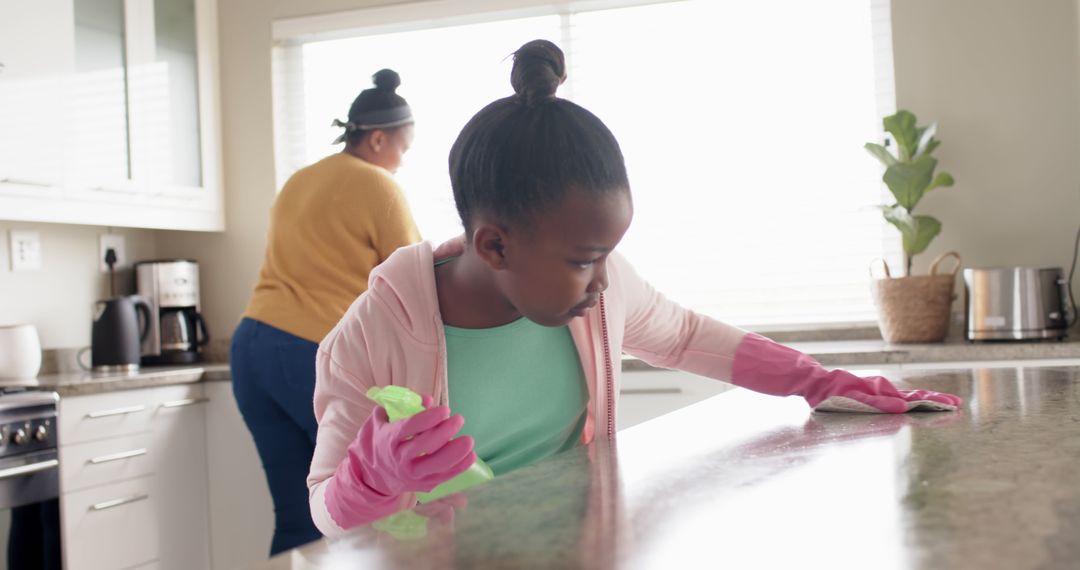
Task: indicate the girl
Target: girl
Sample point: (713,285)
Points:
(520,328)
(330,225)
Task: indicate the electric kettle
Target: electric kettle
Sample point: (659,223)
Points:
(120,325)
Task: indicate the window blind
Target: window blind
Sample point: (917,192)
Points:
(742,124)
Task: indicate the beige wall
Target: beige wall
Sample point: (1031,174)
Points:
(1001,78)
(58,299)
(999,75)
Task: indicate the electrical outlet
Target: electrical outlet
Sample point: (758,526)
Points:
(116,242)
(25,250)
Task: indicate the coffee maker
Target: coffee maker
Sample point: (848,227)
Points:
(177,330)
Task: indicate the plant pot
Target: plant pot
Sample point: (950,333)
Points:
(917,308)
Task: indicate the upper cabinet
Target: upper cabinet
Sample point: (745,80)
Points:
(109,113)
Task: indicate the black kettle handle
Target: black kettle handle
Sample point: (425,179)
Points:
(143,308)
(204,335)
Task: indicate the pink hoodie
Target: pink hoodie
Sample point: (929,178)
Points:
(393,335)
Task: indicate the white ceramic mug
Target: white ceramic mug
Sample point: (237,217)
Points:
(20,352)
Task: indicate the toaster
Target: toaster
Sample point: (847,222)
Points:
(1017,303)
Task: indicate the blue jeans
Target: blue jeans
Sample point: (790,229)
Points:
(273,379)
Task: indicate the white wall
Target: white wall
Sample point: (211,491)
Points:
(58,299)
(1000,76)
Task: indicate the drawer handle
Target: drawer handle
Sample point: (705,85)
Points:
(651,391)
(26,182)
(116,412)
(118,456)
(117,502)
(28,469)
(184,402)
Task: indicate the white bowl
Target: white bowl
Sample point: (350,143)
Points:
(20,352)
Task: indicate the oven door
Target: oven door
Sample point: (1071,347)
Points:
(30,511)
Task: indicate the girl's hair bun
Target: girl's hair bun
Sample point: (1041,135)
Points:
(386,80)
(539,69)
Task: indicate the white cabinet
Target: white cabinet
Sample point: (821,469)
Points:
(111,526)
(109,113)
(133,479)
(241,510)
(645,395)
(37,58)
(180,479)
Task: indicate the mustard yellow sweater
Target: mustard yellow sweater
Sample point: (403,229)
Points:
(331,224)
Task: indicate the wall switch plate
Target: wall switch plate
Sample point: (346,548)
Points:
(116,242)
(25,250)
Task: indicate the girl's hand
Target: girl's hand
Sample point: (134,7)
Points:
(414,454)
(875,394)
(388,459)
(765,366)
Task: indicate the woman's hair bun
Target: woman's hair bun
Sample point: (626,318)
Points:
(539,69)
(386,80)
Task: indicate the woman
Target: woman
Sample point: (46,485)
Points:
(331,224)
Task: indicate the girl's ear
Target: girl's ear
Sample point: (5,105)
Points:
(489,240)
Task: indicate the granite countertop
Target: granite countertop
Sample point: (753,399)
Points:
(84,383)
(745,480)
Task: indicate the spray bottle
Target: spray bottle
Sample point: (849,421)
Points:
(400,402)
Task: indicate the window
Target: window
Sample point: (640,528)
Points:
(742,124)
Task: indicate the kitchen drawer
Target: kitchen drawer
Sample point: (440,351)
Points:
(112,526)
(171,404)
(94,463)
(91,418)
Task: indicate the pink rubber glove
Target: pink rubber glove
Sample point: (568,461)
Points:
(765,366)
(388,459)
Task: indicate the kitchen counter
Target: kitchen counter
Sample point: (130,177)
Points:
(830,353)
(84,383)
(744,480)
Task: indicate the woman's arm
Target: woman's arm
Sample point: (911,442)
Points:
(391,222)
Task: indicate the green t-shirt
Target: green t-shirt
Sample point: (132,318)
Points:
(520,388)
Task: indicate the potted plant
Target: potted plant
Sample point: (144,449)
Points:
(912,308)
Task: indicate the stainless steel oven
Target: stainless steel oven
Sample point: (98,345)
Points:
(29,481)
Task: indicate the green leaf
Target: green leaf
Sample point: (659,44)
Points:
(942,179)
(930,146)
(881,153)
(926,137)
(926,229)
(917,231)
(908,180)
(902,127)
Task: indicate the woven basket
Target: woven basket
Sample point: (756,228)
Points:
(915,309)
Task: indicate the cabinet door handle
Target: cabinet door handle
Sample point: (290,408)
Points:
(118,456)
(113,190)
(184,402)
(117,502)
(21,470)
(26,182)
(651,391)
(116,412)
